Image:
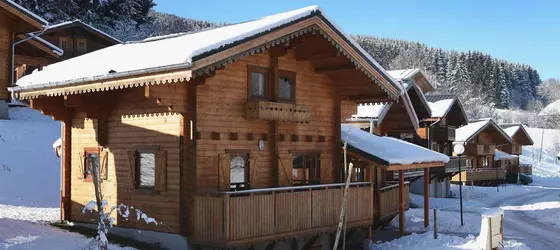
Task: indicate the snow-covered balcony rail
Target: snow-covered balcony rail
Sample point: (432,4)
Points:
(277,111)
(389,197)
(526,169)
(227,219)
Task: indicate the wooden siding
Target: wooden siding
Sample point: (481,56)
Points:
(221,109)
(135,121)
(6,40)
(348,108)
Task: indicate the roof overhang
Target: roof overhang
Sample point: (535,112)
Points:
(206,63)
(24,14)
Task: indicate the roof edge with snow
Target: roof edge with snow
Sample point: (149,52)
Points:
(40,22)
(87,27)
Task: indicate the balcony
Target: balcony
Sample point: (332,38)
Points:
(229,219)
(526,169)
(481,174)
(442,133)
(452,166)
(485,149)
(277,111)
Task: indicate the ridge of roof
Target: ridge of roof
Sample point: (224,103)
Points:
(83,24)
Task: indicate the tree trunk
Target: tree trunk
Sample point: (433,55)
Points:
(101,226)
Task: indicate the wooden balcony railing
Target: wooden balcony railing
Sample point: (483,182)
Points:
(481,174)
(526,169)
(443,133)
(277,111)
(225,219)
(389,206)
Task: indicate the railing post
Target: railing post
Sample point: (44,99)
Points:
(226,217)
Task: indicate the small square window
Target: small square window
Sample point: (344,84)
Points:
(257,83)
(82,45)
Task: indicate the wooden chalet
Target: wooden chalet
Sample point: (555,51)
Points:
(448,114)
(507,161)
(480,139)
(15,21)
(229,136)
(520,137)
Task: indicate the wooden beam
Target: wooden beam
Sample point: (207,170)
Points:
(394,167)
(426,197)
(74,101)
(337,68)
(401,202)
(65,199)
(31,60)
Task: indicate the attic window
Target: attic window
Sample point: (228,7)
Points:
(82,45)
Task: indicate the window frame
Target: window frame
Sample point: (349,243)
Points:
(292,76)
(69,43)
(88,177)
(153,150)
(261,70)
(307,174)
(84,40)
(246,154)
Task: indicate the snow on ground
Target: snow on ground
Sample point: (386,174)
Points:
(29,168)
(427,241)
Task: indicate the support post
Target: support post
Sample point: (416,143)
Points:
(401,202)
(426,197)
(435,223)
(65,198)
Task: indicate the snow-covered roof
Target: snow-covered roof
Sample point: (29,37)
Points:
(440,108)
(174,52)
(512,131)
(55,49)
(57,143)
(372,111)
(401,74)
(501,155)
(27,12)
(552,108)
(388,150)
(467,132)
(86,26)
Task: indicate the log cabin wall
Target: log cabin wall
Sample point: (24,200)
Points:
(134,122)
(348,108)
(6,40)
(221,112)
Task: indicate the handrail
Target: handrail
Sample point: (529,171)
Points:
(483,169)
(393,186)
(266,190)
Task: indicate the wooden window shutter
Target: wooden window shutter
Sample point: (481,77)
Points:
(82,165)
(104,164)
(224,171)
(253,168)
(326,169)
(132,166)
(161,170)
(285,167)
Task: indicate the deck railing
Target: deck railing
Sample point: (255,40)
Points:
(389,206)
(481,174)
(526,169)
(232,218)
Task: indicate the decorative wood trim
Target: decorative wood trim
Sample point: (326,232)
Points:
(295,138)
(250,137)
(322,138)
(309,138)
(281,137)
(233,136)
(264,137)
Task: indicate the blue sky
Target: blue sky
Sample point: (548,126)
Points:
(518,31)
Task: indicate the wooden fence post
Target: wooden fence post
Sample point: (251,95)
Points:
(435,223)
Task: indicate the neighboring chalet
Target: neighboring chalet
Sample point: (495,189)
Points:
(74,38)
(520,137)
(228,137)
(507,161)
(16,48)
(447,115)
(480,139)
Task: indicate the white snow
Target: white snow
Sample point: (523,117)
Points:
(392,150)
(553,108)
(401,74)
(499,155)
(465,133)
(440,108)
(372,111)
(511,131)
(57,143)
(27,12)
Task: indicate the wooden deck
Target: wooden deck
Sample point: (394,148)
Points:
(228,219)
(481,174)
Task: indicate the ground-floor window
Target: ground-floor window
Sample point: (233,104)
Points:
(306,169)
(239,170)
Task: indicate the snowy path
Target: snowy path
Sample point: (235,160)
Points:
(521,226)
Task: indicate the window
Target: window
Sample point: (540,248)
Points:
(239,171)
(65,43)
(148,168)
(92,160)
(286,88)
(484,162)
(306,169)
(93,157)
(257,83)
(82,45)
(146,172)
